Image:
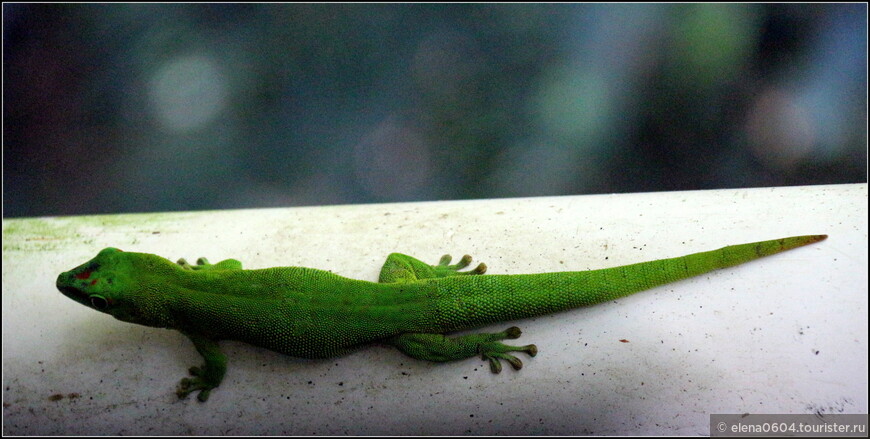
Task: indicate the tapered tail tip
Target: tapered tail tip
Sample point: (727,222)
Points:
(798,241)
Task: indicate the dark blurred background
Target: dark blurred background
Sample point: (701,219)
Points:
(114,108)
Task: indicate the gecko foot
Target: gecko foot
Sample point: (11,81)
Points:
(197,383)
(495,351)
(200,264)
(443,265)
(204,264)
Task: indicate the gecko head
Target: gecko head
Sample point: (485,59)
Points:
(115,282)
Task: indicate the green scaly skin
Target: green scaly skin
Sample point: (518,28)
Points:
(312,313)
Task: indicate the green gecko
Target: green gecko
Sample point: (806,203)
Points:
(310,313)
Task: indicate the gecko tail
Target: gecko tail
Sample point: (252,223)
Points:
(740,253)
(617,282)
(798,241)
(591,287)
(507,297)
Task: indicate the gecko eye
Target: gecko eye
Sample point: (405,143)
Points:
(99,302)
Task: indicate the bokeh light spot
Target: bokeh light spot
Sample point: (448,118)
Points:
(187,93)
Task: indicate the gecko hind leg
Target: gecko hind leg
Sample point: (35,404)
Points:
(438,347)
(404,268)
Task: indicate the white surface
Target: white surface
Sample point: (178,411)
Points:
(785,334)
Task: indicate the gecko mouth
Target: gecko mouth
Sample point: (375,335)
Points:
(70,291)
(95,301)
(74,294)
